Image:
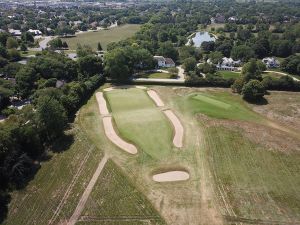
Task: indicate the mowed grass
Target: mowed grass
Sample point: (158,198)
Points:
(115,198)
(103,36)
(159,75)
(258,183)
(220,105)
(229,74)
(139,121)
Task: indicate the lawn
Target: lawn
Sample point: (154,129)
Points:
(158,75)
(220,105)
(103,36)
(229,74)
(139,121)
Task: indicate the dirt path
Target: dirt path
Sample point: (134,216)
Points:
(178,137)
(180,73)
(154,96)
(114,138)
(87,192)
(281,73)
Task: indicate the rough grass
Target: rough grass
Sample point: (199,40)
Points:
(140,121)
(115,198)
(220,105)
(103,36)
(159,75)
(258,184)
(229,74)
(37,203)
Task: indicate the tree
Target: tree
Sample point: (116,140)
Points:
(208,46)
(238,84)
(99,47)
(252,70)
(253,90)
(84,50)
(189,64)
(14,54)
(90,65)
(215,57)
(242,52)
(25,79)
(23,47)
(27,37)
(166,49)
(51,117)
(11,43)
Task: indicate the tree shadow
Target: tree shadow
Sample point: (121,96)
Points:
(260,101)
(62,143)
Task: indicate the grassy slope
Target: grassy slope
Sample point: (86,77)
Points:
(103,36)
(257,183)
(115,197)
(140,121)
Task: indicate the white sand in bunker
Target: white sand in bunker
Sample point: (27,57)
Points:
(102,103)
(112,135)
(178,137)
(154,96)
(171,176)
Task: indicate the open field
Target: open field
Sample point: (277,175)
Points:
(242,162)
(158,75)
(103,36)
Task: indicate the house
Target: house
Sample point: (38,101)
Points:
(228,64)
(219,18)
(270,62)
(164,62)
(14,32)
(35,32)
(232,19)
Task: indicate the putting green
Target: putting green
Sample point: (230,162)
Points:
(221,105)
(139,121)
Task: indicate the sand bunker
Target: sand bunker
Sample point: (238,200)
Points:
(124,87)
(112,135)
(178,137)
(102,103)
(109,128)
(171,176)
(152,94)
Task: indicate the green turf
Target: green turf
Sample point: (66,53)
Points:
(161,75)
(258,183)
(221,105)
(103,36)
(115,197)
(229,74)
(140,121)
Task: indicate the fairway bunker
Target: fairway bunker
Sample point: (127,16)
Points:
(154,96)
(171,176)
(109,128)
(178,137)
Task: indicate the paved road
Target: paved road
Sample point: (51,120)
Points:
(43,43)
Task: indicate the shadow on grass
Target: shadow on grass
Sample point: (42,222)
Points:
(260,101)
(63,143)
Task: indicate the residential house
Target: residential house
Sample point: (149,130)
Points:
(228,64)
(35,32)
(164,62)
(14,32)
(270,62)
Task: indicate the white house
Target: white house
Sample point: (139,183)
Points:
(270,62)
(14,32)
(228,64)
(35,32)
(164,62)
